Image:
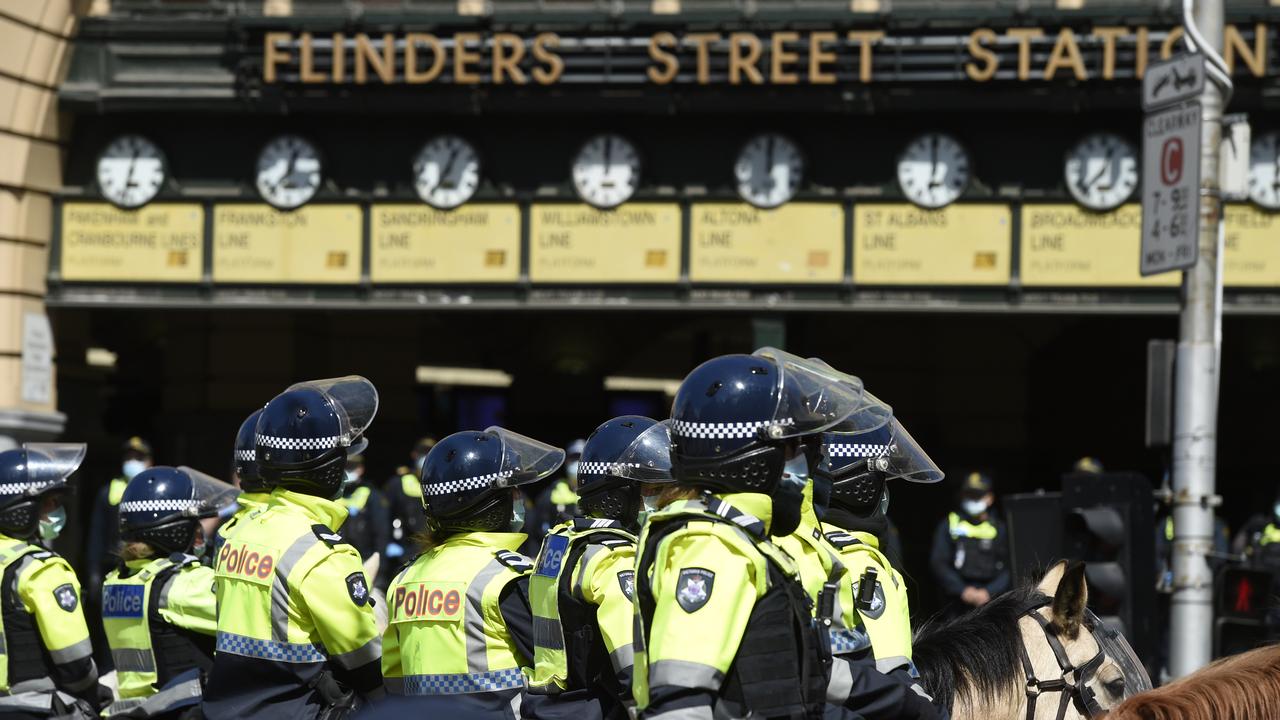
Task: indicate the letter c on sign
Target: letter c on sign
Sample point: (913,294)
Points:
(434,602)
(1171,161)
(251,564)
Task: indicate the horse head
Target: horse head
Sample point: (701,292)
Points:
(1036,653)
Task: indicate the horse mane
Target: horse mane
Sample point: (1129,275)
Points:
(1241,687)
(975,657)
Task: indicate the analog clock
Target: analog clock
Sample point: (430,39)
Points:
(1264,170)
(131,171)
(768,170)
(288,172)
(1102,171)
(933,170)
(446,172)
(606,170)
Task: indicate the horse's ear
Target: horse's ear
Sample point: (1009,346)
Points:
(1049,583)
(1069,601)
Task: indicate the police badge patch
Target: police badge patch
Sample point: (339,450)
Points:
(627,580)
(66,597)
(874,608)
(358,589)
(693,589)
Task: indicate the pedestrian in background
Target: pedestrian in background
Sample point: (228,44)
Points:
(970,555)
(103,540)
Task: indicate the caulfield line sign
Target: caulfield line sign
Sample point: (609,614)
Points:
(747,58)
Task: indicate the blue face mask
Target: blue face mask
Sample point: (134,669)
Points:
(517,515)
(51,525)
(974,508)
(132,468)
(1276,510)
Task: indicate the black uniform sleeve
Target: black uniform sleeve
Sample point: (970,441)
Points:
(380,518)
(876,696)
(96,542)
(940,557)
(513,603)
(1000,547)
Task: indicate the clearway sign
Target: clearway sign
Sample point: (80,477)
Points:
(1170,188)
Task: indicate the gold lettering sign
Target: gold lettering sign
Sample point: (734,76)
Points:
(901,244)
(796,243)
(413,243)
(1066,246)
(1252,247)
(158,243)
(313,244)
(635,243)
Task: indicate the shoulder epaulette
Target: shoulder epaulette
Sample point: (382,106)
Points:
(183,559)
(327,536)
(614,542)
(842,540)
(513,560)
(43,555)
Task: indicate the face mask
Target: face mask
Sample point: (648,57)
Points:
(650,507)
(788,496)
(571,469)
(51,525)
(974,508)
(884,502)
(351,479)
(132,467)
(201,544)
(517,515)
(1276,510)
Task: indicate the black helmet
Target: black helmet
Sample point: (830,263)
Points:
(162,506)
(305,433)
(27,475)
(245,455)
(860,462)
(617,457)
(466,478)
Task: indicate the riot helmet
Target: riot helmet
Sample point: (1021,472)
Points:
(860,462)
(163,506)
(305,433)
(245,455)
(618,457)
(746,423)
(467,478)
(27,476)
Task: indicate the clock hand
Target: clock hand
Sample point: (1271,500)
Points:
(933,158)
(608,154)
(1106,166)
(448,166)
(128,179)
(288,171)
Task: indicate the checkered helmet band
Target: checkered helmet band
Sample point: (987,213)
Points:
(156,505)
(479,482)
(726,430)
(603,468)
(856,450)
(287,443)
(246,455)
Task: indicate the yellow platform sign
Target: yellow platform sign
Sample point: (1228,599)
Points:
(158,243)
(313,244)
(414,243)
(634,243)
(901,244)
(1064,245)
(1252,251)
(796,243)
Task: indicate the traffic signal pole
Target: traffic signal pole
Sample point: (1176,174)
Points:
(1197,367)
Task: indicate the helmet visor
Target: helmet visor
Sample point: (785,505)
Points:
(211,494)
(354,399)
(871,415)
(648,457)
(52,462)
(811,396)
(524,460)
(907,460)
(1119,651)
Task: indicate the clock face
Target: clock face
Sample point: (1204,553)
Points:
(1264,170)
(769,170)
(606,171)
(288,172)
(446,172)
(933,170)
(1102,171)
(131,171)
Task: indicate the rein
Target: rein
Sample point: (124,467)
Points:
(1070,684)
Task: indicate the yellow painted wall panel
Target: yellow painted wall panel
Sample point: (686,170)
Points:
(415,243)
(313,244)
(161,242)
(796,243)
(635,243)
(1064,245)
(901,244)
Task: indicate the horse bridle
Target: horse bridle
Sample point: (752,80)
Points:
(1071,683)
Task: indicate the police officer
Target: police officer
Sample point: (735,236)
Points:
(104,524)
(556,503)
(47,667)
(404,496)
(254,492)
(970,551)
(860,458)
(158,606)
(368,526)
(297,636)
(725,627)
(460,636)
(582,587)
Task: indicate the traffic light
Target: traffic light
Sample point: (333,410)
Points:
(1108,522)
(1243,598)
